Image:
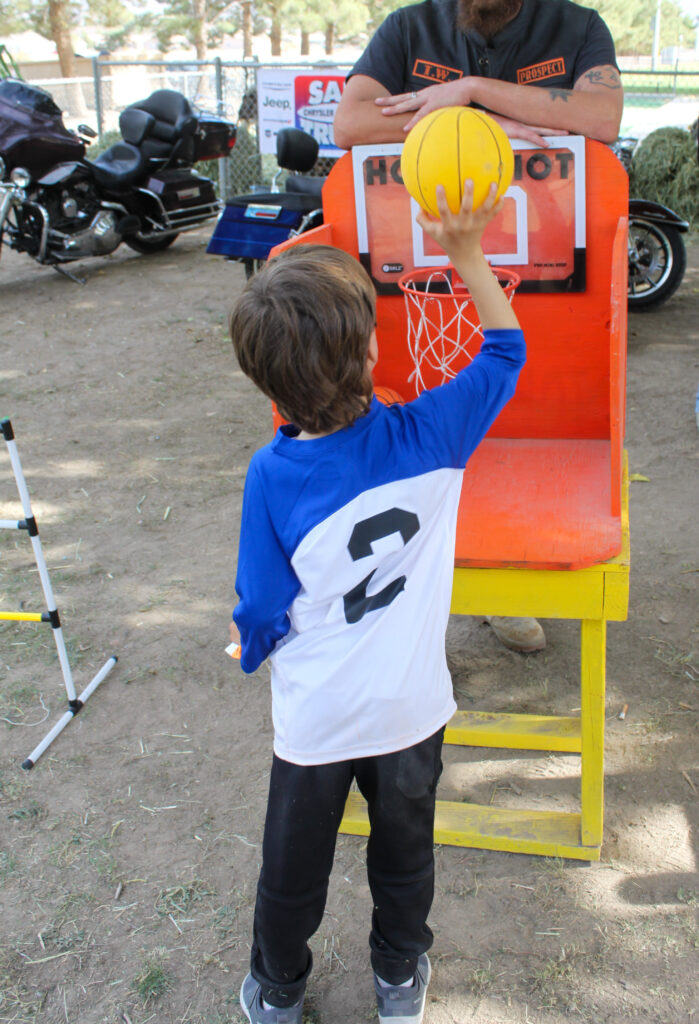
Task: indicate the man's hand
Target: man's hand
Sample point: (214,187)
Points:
(526,132)
(233,633)
(457,94)
(434,97)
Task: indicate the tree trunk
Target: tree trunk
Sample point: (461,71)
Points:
(329,37)
(59,20)
(305,43)
(247,28)
(275,37)
(200,29)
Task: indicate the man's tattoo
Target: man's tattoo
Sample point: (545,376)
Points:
(610,79)
(560,94)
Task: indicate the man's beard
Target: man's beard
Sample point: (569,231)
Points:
(487,17)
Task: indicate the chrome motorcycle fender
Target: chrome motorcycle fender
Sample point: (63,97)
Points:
(657,213)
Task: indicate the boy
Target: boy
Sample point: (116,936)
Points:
(344,577)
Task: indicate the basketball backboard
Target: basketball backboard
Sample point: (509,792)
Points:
(540,232)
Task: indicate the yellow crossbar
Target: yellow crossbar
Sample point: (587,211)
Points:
(546,833)
(515,732)
(22,616)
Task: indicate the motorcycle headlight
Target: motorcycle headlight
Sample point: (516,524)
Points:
(2,168)
(21,177)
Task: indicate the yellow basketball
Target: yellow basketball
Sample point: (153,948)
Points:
(450,145)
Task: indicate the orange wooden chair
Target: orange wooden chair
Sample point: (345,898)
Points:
(543,519)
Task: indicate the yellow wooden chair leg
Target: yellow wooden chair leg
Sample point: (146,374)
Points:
(593,635)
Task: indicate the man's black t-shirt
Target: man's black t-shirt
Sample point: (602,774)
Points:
(549,43)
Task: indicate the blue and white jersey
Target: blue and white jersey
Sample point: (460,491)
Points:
(346,562)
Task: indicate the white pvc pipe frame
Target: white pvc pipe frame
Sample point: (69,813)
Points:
(75,702)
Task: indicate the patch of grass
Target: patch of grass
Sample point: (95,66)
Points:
(153,980)
(680,664)
(96,850)
(52,936)
(688,896)
(226,917)
(18,1003)
(71,905)
(8,866)
(481,980)
(177,899)
(29,812)
(553,971)
(464,889)
(12,785)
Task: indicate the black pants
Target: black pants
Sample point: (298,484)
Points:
(305,808)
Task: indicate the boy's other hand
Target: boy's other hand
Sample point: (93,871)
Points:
(459,234)
(233,633)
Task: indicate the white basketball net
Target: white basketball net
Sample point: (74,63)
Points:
(444,332)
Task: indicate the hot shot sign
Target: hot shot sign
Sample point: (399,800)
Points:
(298,99)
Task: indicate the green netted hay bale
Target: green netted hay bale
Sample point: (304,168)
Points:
(665,169)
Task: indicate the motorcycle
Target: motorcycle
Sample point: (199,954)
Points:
(657,253)
(58,206)
(250,225)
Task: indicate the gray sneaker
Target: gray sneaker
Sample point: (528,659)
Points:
(251,1002)
(405,1005)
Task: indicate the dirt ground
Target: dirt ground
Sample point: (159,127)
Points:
(129,854)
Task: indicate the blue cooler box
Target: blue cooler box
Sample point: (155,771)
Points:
(249,226)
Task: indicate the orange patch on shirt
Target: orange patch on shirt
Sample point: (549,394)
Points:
(535,72)
(435,72)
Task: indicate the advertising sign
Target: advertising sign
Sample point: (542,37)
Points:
(298,99)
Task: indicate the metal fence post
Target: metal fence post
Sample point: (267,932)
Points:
(221,110)
(97,85)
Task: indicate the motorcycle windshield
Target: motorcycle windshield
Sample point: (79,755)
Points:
(29,97)
(32,132)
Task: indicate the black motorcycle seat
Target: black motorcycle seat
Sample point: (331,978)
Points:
(119,166)
(296,150)
(160,125)
(136,125)
(305,185)
(173,117)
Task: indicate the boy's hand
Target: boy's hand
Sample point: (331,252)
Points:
(234,649)
(459,234)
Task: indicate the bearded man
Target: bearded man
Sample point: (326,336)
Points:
(541,67)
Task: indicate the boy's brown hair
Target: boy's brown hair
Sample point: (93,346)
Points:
(301,331)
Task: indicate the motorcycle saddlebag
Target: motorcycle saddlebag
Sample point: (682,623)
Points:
(251,225)
(182,189)
(213,139)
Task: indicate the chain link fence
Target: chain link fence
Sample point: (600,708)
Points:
(229,90)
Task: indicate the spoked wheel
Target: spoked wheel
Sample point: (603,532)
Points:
(657,262)
(147,245)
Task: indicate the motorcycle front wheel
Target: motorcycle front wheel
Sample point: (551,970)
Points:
(657,262)
(148,245)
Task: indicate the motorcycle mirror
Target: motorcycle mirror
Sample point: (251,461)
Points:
(88,132)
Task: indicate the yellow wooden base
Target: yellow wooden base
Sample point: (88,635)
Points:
(546,833)
(593,595)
